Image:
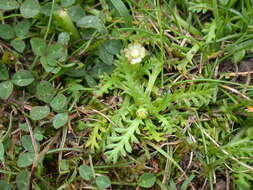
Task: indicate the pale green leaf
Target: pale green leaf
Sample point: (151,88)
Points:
(30,8)
(39,112)
(60,120)
(23,78)
(6,89)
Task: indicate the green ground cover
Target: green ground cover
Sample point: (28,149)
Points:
(126,94)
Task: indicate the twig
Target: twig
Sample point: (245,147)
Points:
(236,92)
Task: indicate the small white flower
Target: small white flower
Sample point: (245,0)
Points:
(135,53)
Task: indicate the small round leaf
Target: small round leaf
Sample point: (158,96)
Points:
(4,75)
(45,91)
(8,5)
(147,180)
(6,89)
(6,31)
(85,172)
(49,64)
(26,142)
(30,8)
(18,45)
(22,180)
(60,120)
(5,186)
(25,159)
(56,51)
(22,78)
(67,3)
(103,182)
(39,46)
(76,13)
(63,38)
(59,102)
(22,28)
(39,112)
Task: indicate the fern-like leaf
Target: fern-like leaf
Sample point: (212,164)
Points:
(120,142)
(196,96)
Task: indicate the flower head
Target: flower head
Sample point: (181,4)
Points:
(142,113)
(135,53)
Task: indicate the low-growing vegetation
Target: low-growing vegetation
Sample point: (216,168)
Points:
(124,94)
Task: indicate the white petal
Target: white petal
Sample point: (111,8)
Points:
(137,60)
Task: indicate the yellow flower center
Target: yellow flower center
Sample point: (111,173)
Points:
(135,53)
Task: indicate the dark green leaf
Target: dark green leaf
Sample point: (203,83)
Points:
(73,72)
(18,45)
(91,22)
(123,11)
(39,46)
(22,180)
(76,13)
(100,68)
(60,120)
(147,180)
(6,32)
(63,38)
(106,57)
(103,182)
(46,8)
(56,51)
(59,102)
(5,186)
(30,8)
(6,89)
(85,172)
(49,64)
(112,46)
(8,5)
(25,159)
(22,78)
(39,112)
(38,134)
(26,142)
(67,3)
(4,75)
(1,151)
(24,127)
(45,91)
(90,80)
(22,28)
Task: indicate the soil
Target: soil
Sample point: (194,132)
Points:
(241,67)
